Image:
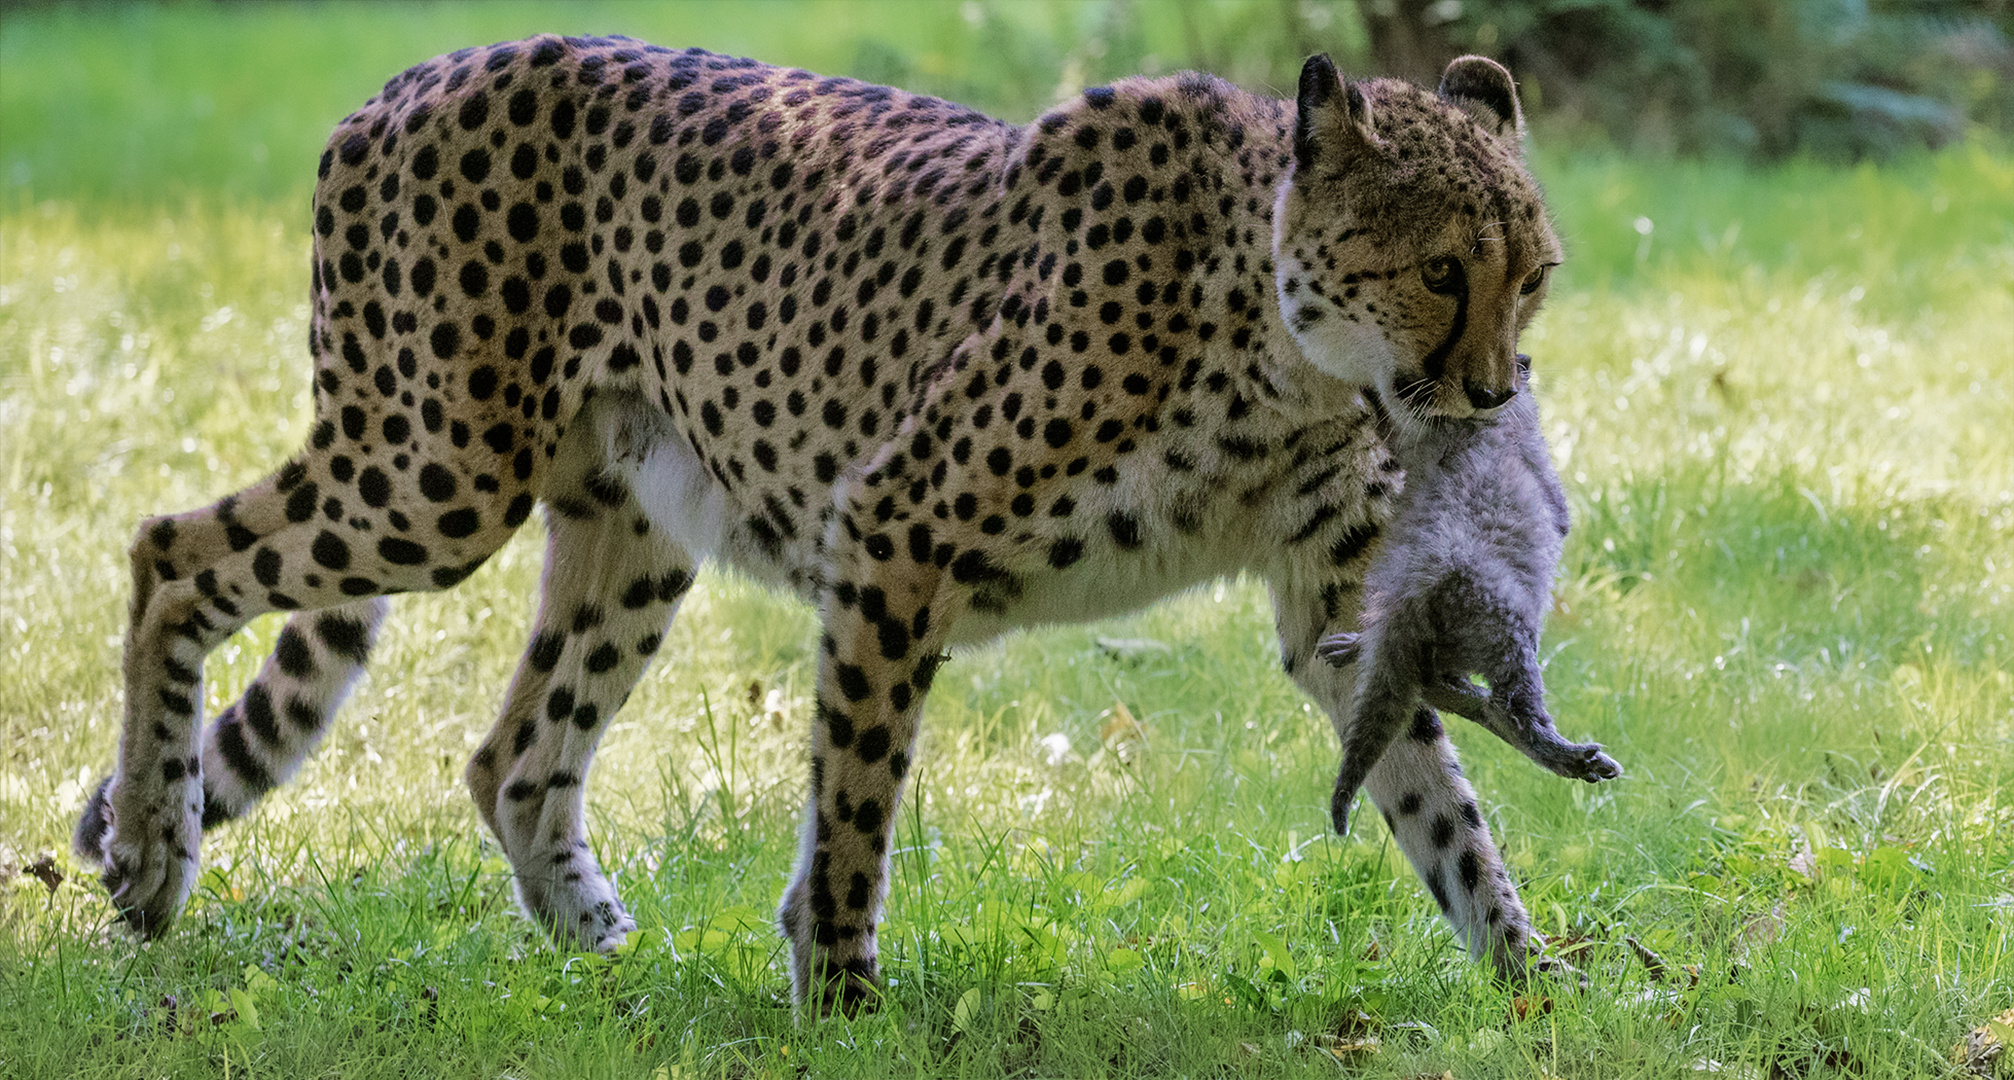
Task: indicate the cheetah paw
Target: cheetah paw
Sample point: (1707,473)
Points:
(148,848)
(605,927)
(849,990)
(1540,962)
(580,909)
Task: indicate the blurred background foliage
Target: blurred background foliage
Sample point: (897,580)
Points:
(234,98)
(1835,79)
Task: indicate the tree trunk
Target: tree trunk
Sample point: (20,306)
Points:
(1409,38)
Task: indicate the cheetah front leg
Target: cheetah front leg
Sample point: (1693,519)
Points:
(885,614)
(1418,786)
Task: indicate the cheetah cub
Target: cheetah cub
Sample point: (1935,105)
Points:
(1461,587)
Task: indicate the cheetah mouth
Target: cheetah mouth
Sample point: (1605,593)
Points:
(1417,403)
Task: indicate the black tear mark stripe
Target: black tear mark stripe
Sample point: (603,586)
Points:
(1435,363)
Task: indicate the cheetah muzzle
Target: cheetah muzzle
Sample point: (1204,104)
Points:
(938,374)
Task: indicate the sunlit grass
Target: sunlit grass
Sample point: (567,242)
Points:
(1786,609)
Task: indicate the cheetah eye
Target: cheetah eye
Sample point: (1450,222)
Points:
(1441,275)
(1535,279)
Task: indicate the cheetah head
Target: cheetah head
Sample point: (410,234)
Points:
(1410,245)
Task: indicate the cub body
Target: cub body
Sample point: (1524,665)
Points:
(1460,588)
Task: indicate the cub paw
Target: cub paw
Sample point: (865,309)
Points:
(1584,761)
(1339,649)
(1598,766)
(1575,761)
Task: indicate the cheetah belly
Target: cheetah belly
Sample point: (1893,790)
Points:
(683,499)
(1108,582)
(1094,589)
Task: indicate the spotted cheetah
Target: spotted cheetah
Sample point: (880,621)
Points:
(1460,586)
(938,374)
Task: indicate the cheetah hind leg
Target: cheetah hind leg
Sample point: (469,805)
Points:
(613,580)
(197,578)
(259,741)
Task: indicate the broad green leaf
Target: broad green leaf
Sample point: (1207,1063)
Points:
(966,1010)
(258,982)
(248,1013)
(740,919)
(1276,953)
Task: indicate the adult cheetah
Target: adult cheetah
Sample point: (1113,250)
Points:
(940,375)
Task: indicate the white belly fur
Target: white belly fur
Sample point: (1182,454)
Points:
(684,500)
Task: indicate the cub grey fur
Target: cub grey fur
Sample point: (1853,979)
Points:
(1461,587)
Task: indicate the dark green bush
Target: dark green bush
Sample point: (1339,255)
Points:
(1839,79)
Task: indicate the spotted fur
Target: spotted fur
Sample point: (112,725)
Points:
(940,375)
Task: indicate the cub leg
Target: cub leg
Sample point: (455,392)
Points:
(612,582)
(1516,713)
(885,622)
(1418,786)
(1383,706)
(1536,738)
(1534,735)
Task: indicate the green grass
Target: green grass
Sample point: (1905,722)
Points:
(1786,608)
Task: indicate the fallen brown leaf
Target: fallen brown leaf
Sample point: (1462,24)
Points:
(1523,1008)
(1347,1048)
(1122,734)
(1564,946)
(1653,964)
(45,872)
(1983,1050)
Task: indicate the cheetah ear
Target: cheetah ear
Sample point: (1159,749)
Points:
(1480,87)
(1331,116)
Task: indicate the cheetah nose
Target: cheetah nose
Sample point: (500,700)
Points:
(1485,399)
